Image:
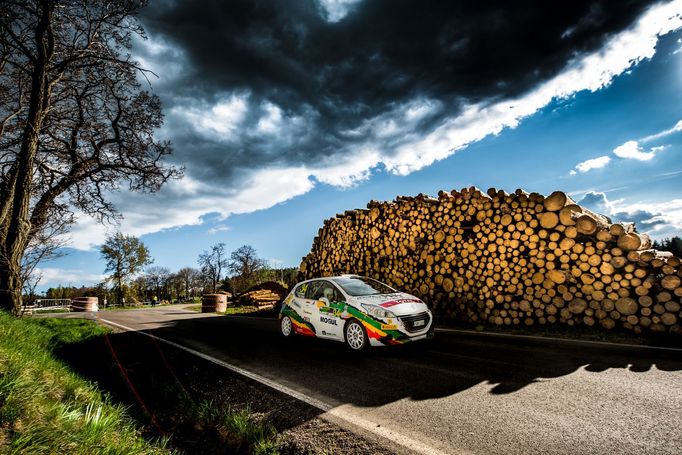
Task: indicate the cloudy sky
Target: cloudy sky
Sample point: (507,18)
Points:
(286,113)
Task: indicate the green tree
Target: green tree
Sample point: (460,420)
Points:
(674,245)
(245,266)
(125,256)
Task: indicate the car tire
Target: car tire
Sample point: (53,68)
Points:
(355,336)
(286,327)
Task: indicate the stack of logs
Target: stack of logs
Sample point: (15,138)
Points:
(84,304)
(259,298)
(213,303)
(268,293)
(506,259)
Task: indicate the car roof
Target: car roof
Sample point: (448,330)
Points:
(348,275)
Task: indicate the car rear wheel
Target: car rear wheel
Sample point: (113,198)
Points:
(286,327)
(356,336)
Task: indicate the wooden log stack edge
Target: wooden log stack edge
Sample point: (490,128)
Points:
(85,304)
(506,259)
(213,303)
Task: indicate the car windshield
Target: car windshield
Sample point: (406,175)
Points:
(357,286)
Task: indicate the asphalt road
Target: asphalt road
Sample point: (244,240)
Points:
(461,393)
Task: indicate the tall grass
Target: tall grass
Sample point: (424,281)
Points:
(47,408)
(247,434)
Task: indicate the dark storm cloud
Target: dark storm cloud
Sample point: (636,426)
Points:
(385,50)
(332,78)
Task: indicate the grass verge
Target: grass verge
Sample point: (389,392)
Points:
(45,407)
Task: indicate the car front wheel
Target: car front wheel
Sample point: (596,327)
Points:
(356,336)
(286,327)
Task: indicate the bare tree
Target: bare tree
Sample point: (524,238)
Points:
(188,278)
(157,279)
(213,263)
(45,245)
(74,121)
(125,256)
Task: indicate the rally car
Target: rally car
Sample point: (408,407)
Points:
(356,310)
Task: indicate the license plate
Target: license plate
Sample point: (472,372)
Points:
(419,323)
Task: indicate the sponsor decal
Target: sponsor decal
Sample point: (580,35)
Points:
(398,302)
(328,320)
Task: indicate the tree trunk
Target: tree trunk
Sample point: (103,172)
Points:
(10,288)
(16,226)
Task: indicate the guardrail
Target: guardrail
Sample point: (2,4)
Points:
(47,304)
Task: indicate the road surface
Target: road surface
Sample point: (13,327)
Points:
(461,393)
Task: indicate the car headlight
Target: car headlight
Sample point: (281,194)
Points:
(378,312)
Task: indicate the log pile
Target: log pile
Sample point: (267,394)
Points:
(259,298)
(506,259)
(268,293)
(84,304)
(213,303)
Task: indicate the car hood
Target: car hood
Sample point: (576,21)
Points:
(399,303)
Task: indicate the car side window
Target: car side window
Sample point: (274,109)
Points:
(328,290)
(301,289)
(313,287)
(338,296)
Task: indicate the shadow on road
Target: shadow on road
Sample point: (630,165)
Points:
(137,369)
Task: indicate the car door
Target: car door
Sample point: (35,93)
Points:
(329,304)
(308,304)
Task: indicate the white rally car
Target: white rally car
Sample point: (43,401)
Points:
(356,310)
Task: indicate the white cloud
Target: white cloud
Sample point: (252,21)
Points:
(335,10)
(664,133)
(155,54)
(590,72)
(220,119)
(218,228)
(391,136)
(270,123)
(185,202)
(632,150)
(594,163)
(51,276)
(656,218)
(348,170)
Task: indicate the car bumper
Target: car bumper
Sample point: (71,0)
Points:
(379,337)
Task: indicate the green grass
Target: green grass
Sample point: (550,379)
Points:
(258,438)
(47,408)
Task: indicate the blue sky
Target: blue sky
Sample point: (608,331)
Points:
(566,144)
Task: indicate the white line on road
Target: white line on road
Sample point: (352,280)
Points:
(339,413)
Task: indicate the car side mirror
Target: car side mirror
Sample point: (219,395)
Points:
(325,300)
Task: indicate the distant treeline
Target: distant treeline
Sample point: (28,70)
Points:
(674,245)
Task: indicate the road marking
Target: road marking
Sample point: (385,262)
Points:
(560,340)
(340,413)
